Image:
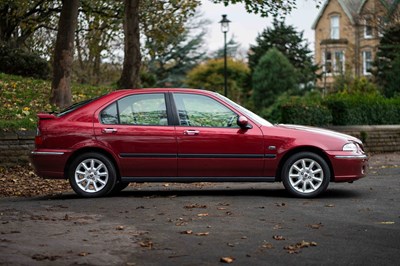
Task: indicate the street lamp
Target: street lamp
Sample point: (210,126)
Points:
(225,28)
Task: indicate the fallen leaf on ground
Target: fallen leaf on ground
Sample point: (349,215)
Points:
(316,226)
(202,214)
(202,234)
(187,232)
(146,244)
(227,259)
(278,237)
(195,205)
(295,249)
(267,245)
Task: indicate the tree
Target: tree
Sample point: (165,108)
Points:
(387,62)
(183,52)
(266,7)
(232,48)
(96,38)
(132,62)
(132,57)
(273,75)
(63,54)
(210,76)
(20,19)
(289,42)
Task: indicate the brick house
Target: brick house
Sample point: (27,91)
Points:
(347,35)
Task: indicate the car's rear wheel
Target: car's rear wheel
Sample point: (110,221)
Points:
(306,175)
(92,175)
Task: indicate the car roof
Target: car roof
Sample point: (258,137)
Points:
(146,90)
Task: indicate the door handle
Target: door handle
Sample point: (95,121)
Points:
(191,132)
(109,130)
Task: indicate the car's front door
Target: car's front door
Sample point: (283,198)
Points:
(137,129)
(211,144)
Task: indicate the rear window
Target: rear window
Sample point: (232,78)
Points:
(75,106)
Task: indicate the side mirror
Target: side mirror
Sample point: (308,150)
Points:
(243,123)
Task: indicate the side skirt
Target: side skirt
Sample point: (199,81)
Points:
(197,179)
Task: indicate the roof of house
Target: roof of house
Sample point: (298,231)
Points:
(350,7)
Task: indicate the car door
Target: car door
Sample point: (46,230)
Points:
(137,129)
(211,144)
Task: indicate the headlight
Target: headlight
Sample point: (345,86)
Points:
(350,147)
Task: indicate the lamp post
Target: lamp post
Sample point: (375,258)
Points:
(225,28)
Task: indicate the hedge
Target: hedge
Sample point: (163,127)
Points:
(364,110)
(19,62)
(340,109)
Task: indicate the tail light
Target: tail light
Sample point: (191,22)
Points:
(38,137)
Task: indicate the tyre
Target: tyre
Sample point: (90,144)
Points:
(92,175)
(306,175)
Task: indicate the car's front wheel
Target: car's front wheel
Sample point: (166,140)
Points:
(92,175)
(306,175)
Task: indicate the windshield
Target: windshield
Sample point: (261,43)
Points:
(248,113)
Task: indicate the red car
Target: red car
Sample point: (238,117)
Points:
(186,135)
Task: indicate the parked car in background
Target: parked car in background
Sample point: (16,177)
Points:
(186,135)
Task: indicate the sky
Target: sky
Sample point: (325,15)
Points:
(245,27)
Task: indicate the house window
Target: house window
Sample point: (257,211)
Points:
(327,62)
(334,62)
(335,27)
(367,62)
(368,28)
(339,62)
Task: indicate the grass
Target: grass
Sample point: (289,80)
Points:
(22,98)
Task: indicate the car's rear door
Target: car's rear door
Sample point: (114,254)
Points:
(210,144)
(137,129)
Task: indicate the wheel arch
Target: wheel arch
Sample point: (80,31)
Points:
(88,150)
(312,149)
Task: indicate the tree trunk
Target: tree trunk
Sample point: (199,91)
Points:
(130,71)
(64,54)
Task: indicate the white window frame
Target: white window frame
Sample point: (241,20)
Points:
(368,29)
(366,62)
(335,67)
(335,27)
(325,61)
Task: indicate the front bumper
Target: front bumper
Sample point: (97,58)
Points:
(348,167)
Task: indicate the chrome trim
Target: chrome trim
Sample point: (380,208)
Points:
(351,156)
(47,153)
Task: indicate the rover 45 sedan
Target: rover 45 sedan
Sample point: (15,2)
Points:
(186,135)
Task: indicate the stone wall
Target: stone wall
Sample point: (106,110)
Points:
(15,146)
(376,139)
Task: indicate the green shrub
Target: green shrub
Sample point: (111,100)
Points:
(306,110)
(363,109)
(19,62)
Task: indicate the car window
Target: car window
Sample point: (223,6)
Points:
(110,115)
(203,111)
(142,109)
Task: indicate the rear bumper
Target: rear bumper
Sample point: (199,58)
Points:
(349,167)
(50,163)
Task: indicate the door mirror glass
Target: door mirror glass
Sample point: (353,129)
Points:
(243,122)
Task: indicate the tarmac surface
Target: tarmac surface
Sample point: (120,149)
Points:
(210,224)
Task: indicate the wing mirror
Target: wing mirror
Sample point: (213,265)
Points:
(243,123)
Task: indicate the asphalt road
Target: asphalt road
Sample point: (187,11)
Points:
(200,224)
